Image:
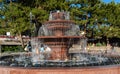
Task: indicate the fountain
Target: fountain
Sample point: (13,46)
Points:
(59,33)
(60,47)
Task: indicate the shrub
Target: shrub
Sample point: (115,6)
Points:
(98,44)
(10,48)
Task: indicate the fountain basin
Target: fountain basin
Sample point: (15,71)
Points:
(83,70)
(81,60)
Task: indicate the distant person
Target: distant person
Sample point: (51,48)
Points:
(113,47)
(47,49)
(47,52)
(42,48)
(41,52)
(37,50)
(28,47)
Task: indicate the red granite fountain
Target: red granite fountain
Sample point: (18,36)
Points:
(59,33)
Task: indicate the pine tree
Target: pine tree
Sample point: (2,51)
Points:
(16,18)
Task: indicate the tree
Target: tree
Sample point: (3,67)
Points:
(17,18)
(85,15)
(110,21)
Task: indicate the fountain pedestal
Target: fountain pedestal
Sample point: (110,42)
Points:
(58,53)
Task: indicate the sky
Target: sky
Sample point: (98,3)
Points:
(107,1)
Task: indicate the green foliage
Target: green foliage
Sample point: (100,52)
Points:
(102,22)
(98,44)
(39,12)
(11,48)
(16,18)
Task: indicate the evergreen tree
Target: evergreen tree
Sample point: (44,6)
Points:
(17,19)
(109,21)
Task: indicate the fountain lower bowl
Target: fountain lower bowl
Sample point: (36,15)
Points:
(109,66)
(81,60)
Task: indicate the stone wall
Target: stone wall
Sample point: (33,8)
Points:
(88,70)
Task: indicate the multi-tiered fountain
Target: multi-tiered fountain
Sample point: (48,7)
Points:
(59,33)
(67,52)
